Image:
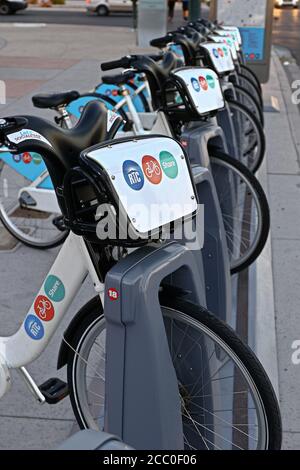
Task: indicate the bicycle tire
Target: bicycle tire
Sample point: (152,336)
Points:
(257,128)
(247,83)
(243,174)
(227,340)
(245,70)
(254,106)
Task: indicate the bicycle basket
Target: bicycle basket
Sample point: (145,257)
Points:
(127,192)
(219,57)
(200,88)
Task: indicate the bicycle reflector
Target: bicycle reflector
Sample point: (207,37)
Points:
(130,191)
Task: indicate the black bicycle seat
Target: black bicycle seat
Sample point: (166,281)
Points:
(118,80)
(59,147)
(54,100)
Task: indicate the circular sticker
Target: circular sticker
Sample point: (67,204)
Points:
(17,158)
(195,84)
(152,169)
(203,83)
(133,175)
(37,159)
(225,50)
(220,51)
(168,164)
(216,54)
(27,158)
(43,308)
(34,327)
(113,294)
(107,92)
(54,288)
(211,81)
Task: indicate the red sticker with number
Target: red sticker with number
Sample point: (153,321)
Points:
(113,294)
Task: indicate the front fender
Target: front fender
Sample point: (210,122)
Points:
(70,332)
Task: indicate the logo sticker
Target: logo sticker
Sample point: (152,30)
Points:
(203,83)
(27,158)
(34,327)
(152,169)
(195,84)
(210,81)
(17,158)
(37,159)
(225,50)
(133,175)
(27,134)
(220,51)
(54,288)
(43,308)
(216,54)
(113,294)
(168,164)
(111,118)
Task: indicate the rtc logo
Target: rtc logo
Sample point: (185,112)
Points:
(216,54)
(220,51)
(133,175)
(152,169)
(203,83)
(43,308)
(195,84)
(34,327)
(113,294)
(27,158)
(17,158)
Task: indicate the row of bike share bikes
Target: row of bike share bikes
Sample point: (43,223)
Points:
(149,184)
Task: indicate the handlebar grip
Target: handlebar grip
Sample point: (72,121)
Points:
(123,63)
(161,42)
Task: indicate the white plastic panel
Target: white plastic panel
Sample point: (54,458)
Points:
(230,34)
(228,41)
(203,87)
(236,32)
(151,179)
(220,56)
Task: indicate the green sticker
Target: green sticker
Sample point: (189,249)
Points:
(37,159)
(225,51)
(54,288)
(168,164)
(210,81)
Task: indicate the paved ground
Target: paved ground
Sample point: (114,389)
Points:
(286,30)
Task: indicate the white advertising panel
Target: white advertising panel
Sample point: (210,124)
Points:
(221,57)
(151,179)
(203,88)
(225,40)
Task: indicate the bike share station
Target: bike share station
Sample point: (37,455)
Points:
(149,283)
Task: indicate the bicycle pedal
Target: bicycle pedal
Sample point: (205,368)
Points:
(54,390)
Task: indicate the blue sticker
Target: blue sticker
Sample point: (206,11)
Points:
(34,327)
(133,175)
(216,54)
(17,158)
(195,84)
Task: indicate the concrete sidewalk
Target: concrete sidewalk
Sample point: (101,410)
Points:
(68,57)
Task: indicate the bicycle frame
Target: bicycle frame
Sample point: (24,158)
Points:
(59,288)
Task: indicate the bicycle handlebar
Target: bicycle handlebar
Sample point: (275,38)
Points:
(161,42)
(123,63)
(10,125)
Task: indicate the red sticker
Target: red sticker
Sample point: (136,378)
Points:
(152,169)
(203,83)
(43,308)
(27,158)
(221,52)
(113,294)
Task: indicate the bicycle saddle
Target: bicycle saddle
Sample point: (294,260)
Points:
(59,147)
(118,80)
(54,100)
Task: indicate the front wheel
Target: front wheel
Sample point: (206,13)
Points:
(228,402)
(244,207)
